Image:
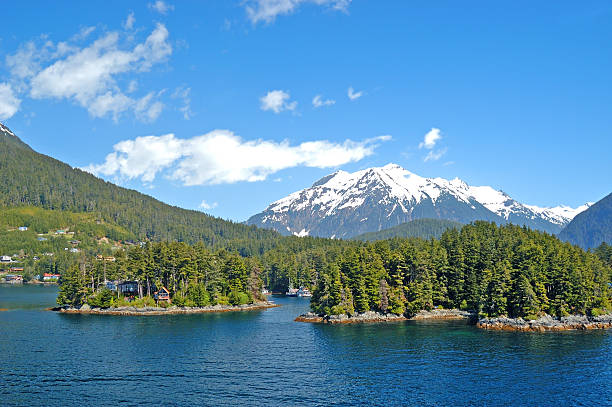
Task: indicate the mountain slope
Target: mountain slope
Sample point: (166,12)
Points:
(592,227)
(421,228)
(343,205)
(30,178)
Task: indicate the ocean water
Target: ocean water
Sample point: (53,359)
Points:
(263,358)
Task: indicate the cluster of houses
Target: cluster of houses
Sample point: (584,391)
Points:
(15,278)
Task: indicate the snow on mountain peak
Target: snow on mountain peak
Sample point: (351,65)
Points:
(393,190)
(6,129)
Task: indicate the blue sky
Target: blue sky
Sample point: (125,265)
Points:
(212,101)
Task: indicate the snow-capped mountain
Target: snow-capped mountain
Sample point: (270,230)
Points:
(342,205)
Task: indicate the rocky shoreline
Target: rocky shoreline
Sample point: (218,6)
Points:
(546,323)
(371,316)
(542,324)
(172,310)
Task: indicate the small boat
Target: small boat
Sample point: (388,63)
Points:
(265,291)
(293,292)
(304,292)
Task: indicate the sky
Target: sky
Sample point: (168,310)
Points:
(225,106)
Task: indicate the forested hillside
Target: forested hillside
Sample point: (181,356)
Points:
(30,178)
(421,228)
(592,227)
(506,270)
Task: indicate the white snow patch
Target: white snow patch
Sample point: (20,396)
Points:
(402,190)
(301,233)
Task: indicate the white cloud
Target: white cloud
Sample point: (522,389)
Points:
(109,102)
(430,139)
(221,157)
(354,95)
(318,101)
(132,86)
(161,7)
(184,94)
(83,34)
(267,10)
(141,158)
(89,75)
(207,206)
(129,22)
(147,109)
(9,103)
(434,155)
(26,61)
(277,101)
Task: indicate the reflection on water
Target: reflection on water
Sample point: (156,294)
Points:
(264,358)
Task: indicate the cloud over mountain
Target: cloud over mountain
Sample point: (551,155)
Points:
(221,157)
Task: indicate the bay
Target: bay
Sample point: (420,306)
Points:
(263,358)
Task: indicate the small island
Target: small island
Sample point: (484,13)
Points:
(496,277)
(163,278)
(169,310)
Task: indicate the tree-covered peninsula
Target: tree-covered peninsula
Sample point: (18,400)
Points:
(488,270)
(193,276)
(491,270)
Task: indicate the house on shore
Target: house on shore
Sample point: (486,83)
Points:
(111,285)
(48,277)
(129,289)
(162,295)
(13,279)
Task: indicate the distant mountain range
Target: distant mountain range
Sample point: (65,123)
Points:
(344,205)
(592,227)
(32,179)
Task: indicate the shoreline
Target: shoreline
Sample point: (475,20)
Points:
(547,323)
(542,324)
(172,310)
(374,317)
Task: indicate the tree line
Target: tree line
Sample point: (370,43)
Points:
(194,275)
(493,270)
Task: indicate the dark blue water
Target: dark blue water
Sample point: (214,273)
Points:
(264,358)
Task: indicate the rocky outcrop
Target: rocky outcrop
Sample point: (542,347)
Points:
(371,316)
(444,314)
(542,324)
(86,309)
(547,323)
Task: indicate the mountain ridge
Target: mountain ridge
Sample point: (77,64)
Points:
(343,205)
(35,179)
(592,227)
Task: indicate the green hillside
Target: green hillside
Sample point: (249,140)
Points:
(592,227)
(421,228)
(51,231)
(32,179)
